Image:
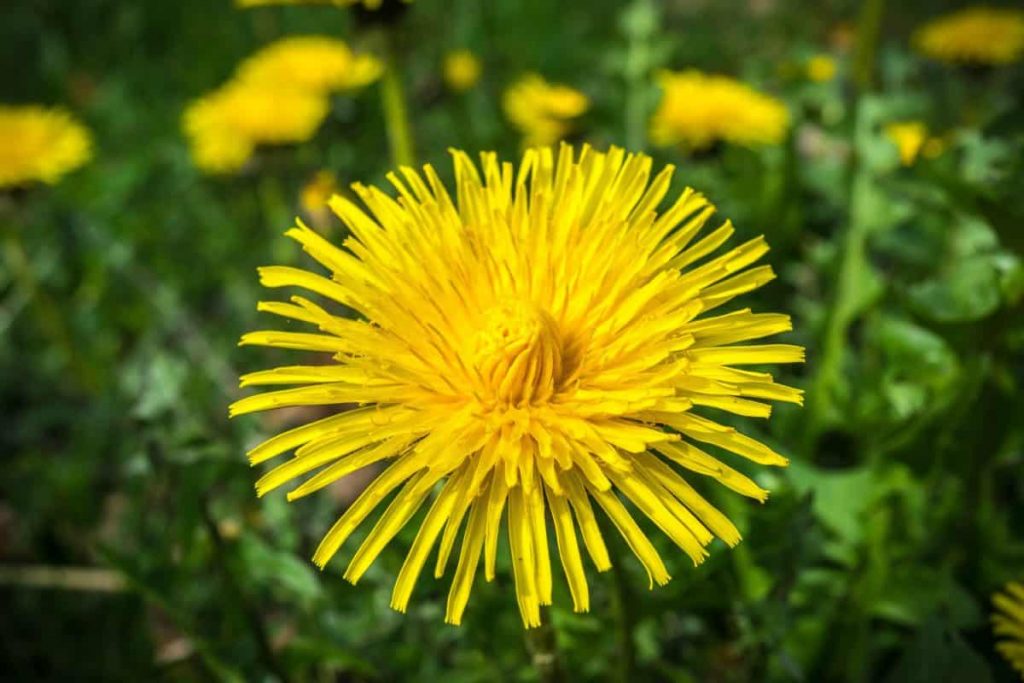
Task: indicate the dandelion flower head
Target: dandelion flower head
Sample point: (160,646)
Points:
(314,63)
(1008,622)
(544,345)
(975,35)
(543,111)
(821,68)
(315,195)
(912,140)
(225,126)
(461,70)
(40,144)
(698,110)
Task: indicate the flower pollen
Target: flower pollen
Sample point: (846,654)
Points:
(518,356)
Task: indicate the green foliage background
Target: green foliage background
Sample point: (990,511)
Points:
(123,291)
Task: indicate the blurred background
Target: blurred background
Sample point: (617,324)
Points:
(132,545)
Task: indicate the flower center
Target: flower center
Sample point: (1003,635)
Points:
(518,354)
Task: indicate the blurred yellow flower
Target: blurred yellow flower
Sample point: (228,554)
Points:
(821,68)
(40,144)
(315,195)
(698,110)
(315,63)
(225,125)
(538,341)
(911,139)
(461,70)
(542,111)
(1008,621)
(976,35)
(219,149)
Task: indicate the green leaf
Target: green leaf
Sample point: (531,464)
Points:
(279,571)
(840,497)
(968,291)
(156,382)
(912,351)
(913,594)
(939,655)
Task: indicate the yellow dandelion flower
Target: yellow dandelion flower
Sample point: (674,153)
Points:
(542,341)
(315,63)
(225,126)
(976,35)
(40,144)
(821,68)
(912,140)
(219,149)
(315,195)
(909,137)
(461,70)
(698,110)
(1008,621)
(543,111)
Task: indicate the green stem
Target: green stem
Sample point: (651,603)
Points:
(869,25)
(87,579)
(639,18)
(624,619)
(823,397)
(622,603)
(636,107)
(853,259)
(843,312)
(541,643)
(396,112)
